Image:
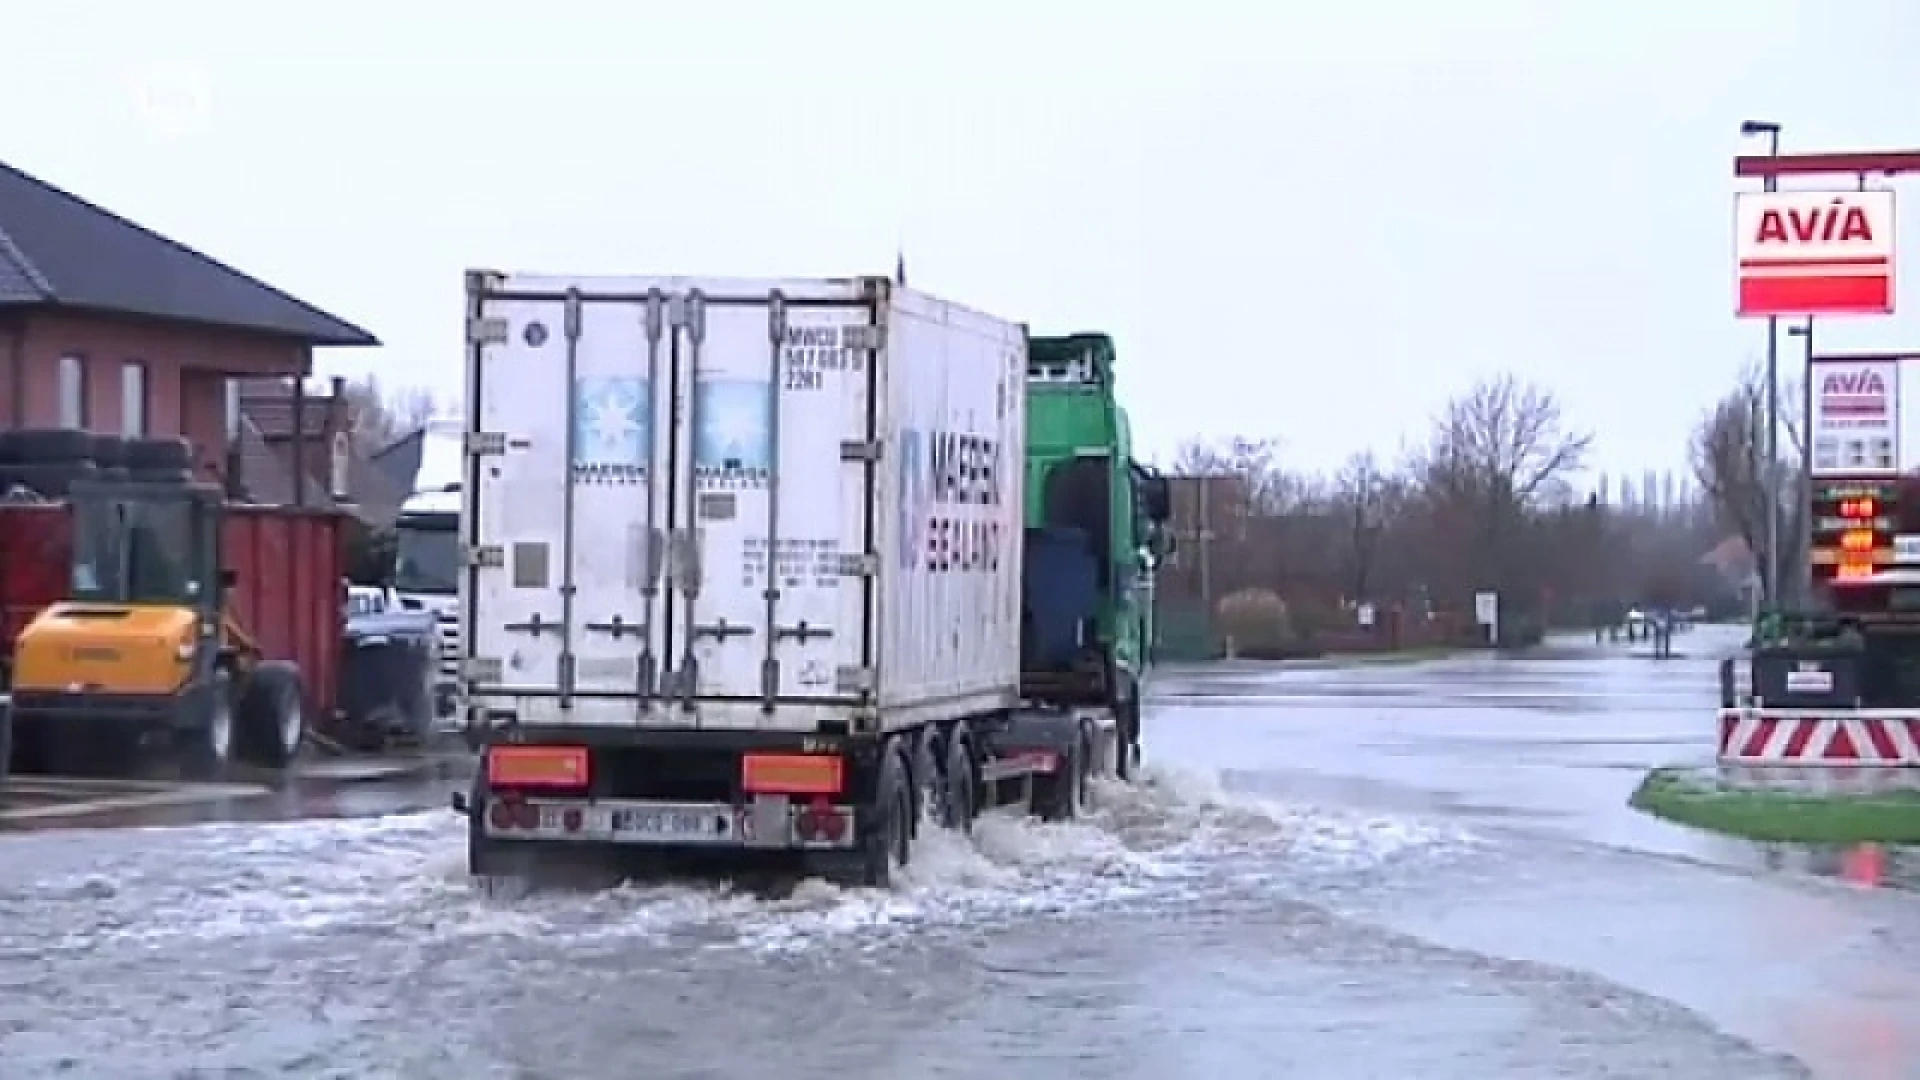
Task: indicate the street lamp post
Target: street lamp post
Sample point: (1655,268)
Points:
(1804,579)
(1771,569)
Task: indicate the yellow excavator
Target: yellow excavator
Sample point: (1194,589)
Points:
(144,656)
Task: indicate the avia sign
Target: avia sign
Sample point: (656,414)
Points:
(1806,253)
(1856,416)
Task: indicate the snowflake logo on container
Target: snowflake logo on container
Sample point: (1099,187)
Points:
(611,428)
(734,439)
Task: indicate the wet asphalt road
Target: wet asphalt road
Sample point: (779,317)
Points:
(1382,871)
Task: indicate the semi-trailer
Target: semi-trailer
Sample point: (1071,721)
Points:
(744,573)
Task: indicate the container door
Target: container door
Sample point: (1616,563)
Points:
(568,519)
(771,510)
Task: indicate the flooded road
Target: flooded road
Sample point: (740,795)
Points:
(1378,871)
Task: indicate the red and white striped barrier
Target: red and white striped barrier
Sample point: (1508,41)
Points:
(1856,737)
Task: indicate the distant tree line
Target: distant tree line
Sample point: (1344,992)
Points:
(1390,553)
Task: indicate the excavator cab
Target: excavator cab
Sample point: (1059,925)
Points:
(144,652)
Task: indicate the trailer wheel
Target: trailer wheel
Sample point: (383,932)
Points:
(1126,751)
(888,844)
(929,785)
(1061,796)
(272,720)
(960,784)
(491,869)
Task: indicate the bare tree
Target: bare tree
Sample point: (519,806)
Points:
(377,416)
(1361,497)
(1497,451)
(1505,441)
(1729,459)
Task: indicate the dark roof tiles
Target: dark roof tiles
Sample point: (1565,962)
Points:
(59,249)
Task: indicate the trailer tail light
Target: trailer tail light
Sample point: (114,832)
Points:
(792,774)
(538,766)
(500,816)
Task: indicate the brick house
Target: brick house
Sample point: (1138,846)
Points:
(107,326)
(284,435)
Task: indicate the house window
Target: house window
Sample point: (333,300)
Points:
(73,392)
(133,399)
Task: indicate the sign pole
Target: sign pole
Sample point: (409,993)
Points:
(1771,583)
(1806,468)
(1772,454)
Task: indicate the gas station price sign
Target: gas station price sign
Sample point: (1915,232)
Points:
(1853,528)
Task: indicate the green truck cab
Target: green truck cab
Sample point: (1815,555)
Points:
(1096,529)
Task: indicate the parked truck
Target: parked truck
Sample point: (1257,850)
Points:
(743,569)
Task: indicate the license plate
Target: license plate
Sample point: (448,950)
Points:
(670,823)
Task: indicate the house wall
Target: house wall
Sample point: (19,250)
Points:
(186,372)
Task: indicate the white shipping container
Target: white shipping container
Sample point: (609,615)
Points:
(741,504)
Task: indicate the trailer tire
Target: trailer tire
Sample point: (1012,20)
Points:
(887,846)
(272,721)
(109,451)
(495,873)
(961,786)
(1061,797)
(929,784)
(169,454)
(1126,750)
(45,446)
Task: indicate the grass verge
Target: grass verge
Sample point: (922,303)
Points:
(1686,798)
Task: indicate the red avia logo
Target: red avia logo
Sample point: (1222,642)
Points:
(1854,382)
(1838,222)
(1860,394)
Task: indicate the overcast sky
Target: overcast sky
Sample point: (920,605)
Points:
(1308,220)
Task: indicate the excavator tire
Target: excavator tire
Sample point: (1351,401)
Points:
(270,721)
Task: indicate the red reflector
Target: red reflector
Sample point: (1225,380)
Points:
(500,815)
(526,816)
(1040,761)
(821,821)
(791,774)
(538,766)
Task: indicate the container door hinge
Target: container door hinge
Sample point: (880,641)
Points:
(487,331)
(859,564)
(873,338)
(481,669)
(484,557)
(848,679)
(858,450)
(485,443)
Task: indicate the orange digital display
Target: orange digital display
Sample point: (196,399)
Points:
(1852,528)
(1857,509)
